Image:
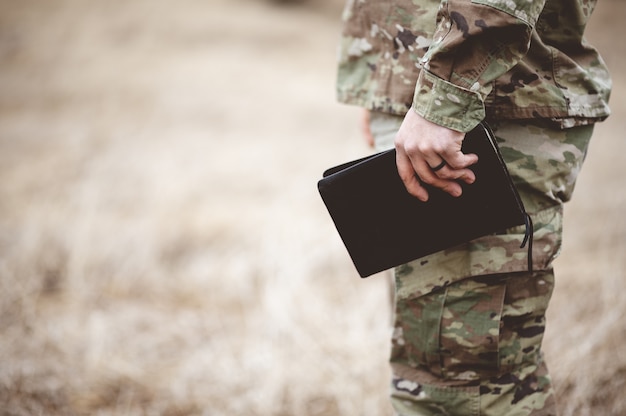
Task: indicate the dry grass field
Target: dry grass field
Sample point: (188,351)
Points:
(163,249)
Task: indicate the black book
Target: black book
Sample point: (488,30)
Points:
(383,226)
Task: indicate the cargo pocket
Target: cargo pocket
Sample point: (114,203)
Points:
(453,332)
(419,320)
(470,330)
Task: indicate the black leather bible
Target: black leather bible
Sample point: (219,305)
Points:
(383,226)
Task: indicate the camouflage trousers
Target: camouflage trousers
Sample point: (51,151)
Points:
(469,321)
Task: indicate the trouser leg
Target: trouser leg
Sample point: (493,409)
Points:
(470,320)
(474,348)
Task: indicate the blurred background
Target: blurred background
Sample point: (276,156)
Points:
(163,248)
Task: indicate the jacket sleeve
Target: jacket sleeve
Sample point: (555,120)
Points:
(475,42)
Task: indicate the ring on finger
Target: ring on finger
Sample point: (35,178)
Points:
(439,166)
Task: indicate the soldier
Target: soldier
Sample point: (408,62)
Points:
(469,321)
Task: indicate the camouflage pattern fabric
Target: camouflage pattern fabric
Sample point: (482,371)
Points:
(469,321)
(456,62)
(474,348)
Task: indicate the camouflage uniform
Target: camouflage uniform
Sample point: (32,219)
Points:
(469,321)
(459,61)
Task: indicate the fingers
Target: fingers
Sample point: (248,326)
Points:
(408,176)
(457,172)
(459,162)
(364,124)
(445,178)
(417,172)
(443,172)
(431,154)
(439,166)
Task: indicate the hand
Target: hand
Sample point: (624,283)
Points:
(364,124)
(431,154)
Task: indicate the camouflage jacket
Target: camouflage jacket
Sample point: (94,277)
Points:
(458,61)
